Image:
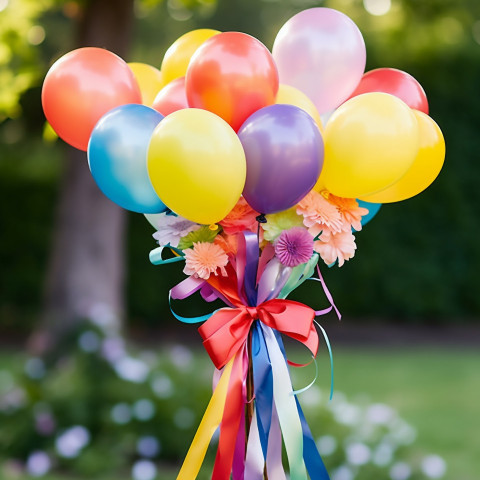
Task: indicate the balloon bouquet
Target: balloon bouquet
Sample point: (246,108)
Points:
(225,153)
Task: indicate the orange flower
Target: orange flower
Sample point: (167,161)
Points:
(228,243)
(241,217)
(204,259)
(319,214)
(335,246)
(350,211)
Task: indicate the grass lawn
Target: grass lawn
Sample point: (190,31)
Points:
(437,390)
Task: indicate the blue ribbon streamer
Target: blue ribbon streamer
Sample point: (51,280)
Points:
(313,461)
(201,318)
(263,385)
(155,256)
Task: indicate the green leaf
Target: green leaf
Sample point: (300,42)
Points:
(203,234)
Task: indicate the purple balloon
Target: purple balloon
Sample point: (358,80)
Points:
(284,151)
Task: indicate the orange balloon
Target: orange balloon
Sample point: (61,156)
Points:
(233,75)
(171,98)
(81,87)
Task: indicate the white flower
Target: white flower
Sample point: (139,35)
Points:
(358,453)
(132,369)
(400,471)
(380,414)
(38,463)
(144,470)
(434,466)
(121,413)
(72,441)
(327,445)
(143,409)
(172,228)
(148,446)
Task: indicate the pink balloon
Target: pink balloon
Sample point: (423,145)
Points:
(171,98)
(321,52)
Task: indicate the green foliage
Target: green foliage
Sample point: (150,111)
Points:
(203,234)
(416,261)
(20,35)
(96,409)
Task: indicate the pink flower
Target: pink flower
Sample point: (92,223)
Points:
(350,211)
(204,259)
(319,214)
(335,246)
(294,246)
(241,217)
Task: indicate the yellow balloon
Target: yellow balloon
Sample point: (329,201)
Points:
(178,55)
(424,169)
(320,185)
(292,96)
(197,165)
(370,142)
(149,79)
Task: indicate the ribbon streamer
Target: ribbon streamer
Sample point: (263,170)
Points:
(226,334)
(232,414)
(210,422)
(254,461)
(290,423)
(156,256)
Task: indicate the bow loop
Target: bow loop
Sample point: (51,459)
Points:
(227,329)
(253,312)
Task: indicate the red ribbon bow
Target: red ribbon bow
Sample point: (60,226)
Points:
(227,329)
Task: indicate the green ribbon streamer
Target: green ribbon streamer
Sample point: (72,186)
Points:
(299,275)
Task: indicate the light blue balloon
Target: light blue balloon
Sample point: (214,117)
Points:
(117,156)
(373,209)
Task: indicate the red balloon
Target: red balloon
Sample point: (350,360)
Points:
(233,75)
(395,82)
(81,87)
(171,98)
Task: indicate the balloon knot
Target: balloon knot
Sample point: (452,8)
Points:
(261,218)
(213,227)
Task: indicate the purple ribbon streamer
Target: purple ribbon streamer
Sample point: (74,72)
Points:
(247,265)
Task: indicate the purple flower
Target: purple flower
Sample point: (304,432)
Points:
(294,246)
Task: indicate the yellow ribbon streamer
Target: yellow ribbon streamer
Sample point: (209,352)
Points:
(209,424)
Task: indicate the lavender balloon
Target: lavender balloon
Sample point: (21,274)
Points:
(321,52)
(284,152)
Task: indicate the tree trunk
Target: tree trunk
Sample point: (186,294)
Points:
(85,276)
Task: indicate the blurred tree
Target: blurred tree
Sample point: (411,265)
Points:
(86,268)
(85,274)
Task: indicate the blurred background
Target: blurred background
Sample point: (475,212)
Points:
(97,379)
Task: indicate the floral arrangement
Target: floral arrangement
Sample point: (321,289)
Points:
(249,188)
(320,223)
